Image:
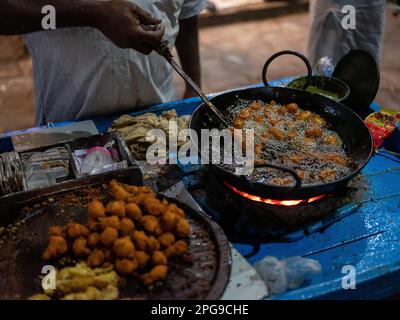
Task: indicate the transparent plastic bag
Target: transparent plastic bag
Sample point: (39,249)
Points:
(97,159)
(288,273)
(324,67)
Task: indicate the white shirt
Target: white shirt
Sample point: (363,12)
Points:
(328,38)
(79,73)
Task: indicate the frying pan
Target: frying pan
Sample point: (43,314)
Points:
(340,118)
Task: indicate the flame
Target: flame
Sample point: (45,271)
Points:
(287,203)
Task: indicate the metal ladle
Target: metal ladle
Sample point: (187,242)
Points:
(164,51)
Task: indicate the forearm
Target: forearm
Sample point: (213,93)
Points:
(24,16)
(187,45)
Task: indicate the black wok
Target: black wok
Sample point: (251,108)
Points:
(344,121)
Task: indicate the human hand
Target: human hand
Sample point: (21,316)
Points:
(127,25)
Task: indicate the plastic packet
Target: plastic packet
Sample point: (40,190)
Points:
(96,160)
(288,273)
(324,67)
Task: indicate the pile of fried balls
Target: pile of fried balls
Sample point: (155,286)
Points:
(135,232)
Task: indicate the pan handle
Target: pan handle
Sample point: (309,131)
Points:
(264,164)
(294,53)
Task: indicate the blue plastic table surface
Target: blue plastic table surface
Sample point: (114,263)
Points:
(368,239)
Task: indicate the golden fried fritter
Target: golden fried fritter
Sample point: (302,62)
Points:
(166,239)
(313,132)
(292,107)
(117,192)
(258,148)
(292,134)
(126,226)
(304,115)
(129,237)
(57,246)
(336,158)
(176,249)
(108,254)
(116,208)
(111,221)
(93,240)
(96,209)
(108,236)
(56,231)
(277,133)
(182,228)
(139,239)
(76,230)
(96,258)
(331,140)
(130,189)
(152,244)
(149,224)
(169,220)
(92,225)
(125,266)
(327,174)
(124,248)
(175,209)
(80,248)
(153,206)
(142,258)
(133,211)
(158,273)
(158,258)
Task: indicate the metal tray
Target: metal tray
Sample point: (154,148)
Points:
(132,171)
(203,276)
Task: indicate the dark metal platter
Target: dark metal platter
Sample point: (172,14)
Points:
(202,274)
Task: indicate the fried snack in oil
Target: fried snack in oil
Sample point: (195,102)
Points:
(127,233)
(282,132)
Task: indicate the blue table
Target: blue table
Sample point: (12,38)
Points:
(368,239)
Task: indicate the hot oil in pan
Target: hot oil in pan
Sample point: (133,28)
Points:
(289,136)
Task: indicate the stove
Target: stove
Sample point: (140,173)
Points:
(251,218)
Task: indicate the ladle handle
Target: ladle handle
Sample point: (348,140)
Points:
(166,53)
(265,164)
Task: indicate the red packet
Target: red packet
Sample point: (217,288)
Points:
(381,125)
